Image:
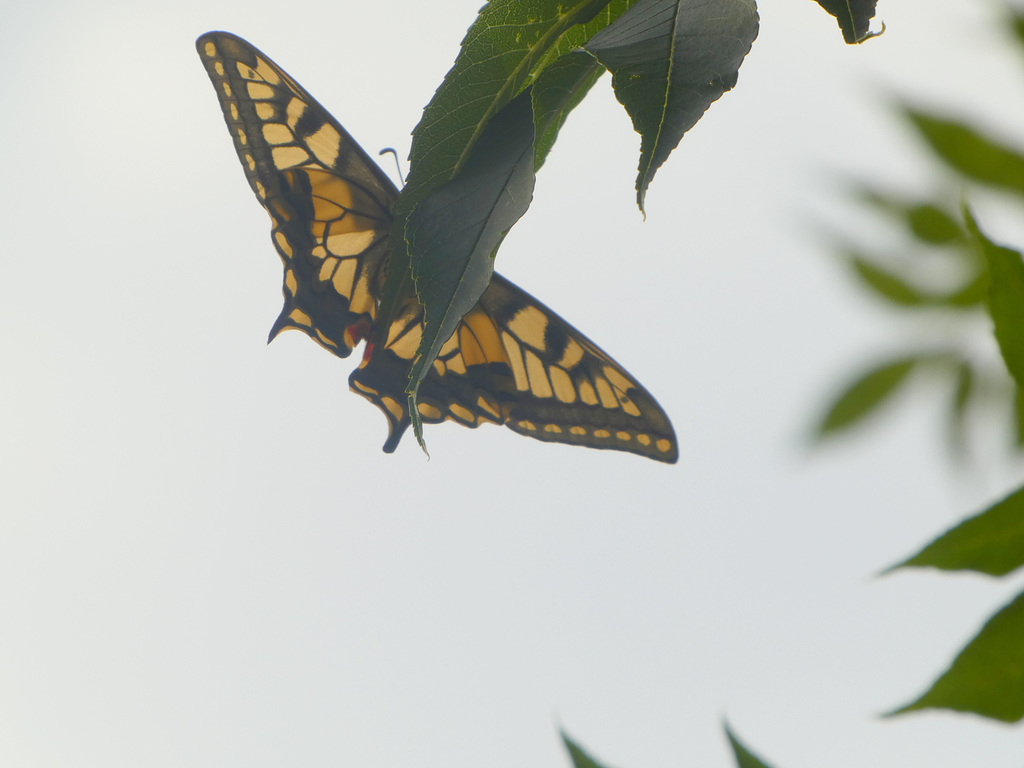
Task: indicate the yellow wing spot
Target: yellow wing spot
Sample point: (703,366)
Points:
(265,110)
(562,385)
(290,282)
(572,355)
(211,50)
(267,72)
(428,410)
(440,367)
(296,108)
(472,353)
(227,89)
(529,426)
(260,92)
(406,345)
(282,244)
(539,384)
(362,387)
(486,405)
(644,439)
(234,111)
(623,436)
(325,210)
(457,364)
(261,190)
(327,268)
(325,340)
(515,359)
(487,335)
(326,144)
(250,162)
(529,324)
(618,381)
(587,393)
(393,406)
(344,276)
(336,189)
(350,243)
(554,429)
(579,431)
(604,391)
(450,347)
(299,317)
(318,252)
(664,445)
(218,67)
(629,406)
(462,413)
(288,157)
(602,433)
(242,138)
(361,301)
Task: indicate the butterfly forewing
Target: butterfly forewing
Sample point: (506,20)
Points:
(511,360)
(328,202)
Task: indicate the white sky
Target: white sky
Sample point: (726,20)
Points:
(205,558)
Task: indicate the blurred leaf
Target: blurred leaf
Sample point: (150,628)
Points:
(1018,415)
(1005,297)
(970,294)
(926,221)
(455,231)
(744,758)
(930,224)
(854,17)
(580,759)
(991,542)
(987,677)
(971,153)
(958,410)
(865,395)
(886,284)
(1015,19)
(670,59)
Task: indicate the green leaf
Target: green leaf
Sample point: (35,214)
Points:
(991,542)
(507,47)
(744,757)
(854,17)
(865,395)
(987,676)
(455,231)
(670,59)
(580,759)
(970,152)
(560,87)
(1005,297)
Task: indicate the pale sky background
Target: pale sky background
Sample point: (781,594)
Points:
(207,561)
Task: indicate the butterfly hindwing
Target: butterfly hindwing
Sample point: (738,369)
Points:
(513,361)
(329,203)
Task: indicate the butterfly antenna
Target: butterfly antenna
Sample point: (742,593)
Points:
(398,165)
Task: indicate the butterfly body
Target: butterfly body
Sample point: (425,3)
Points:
(510,361)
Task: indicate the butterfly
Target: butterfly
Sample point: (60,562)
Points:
(510,361)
